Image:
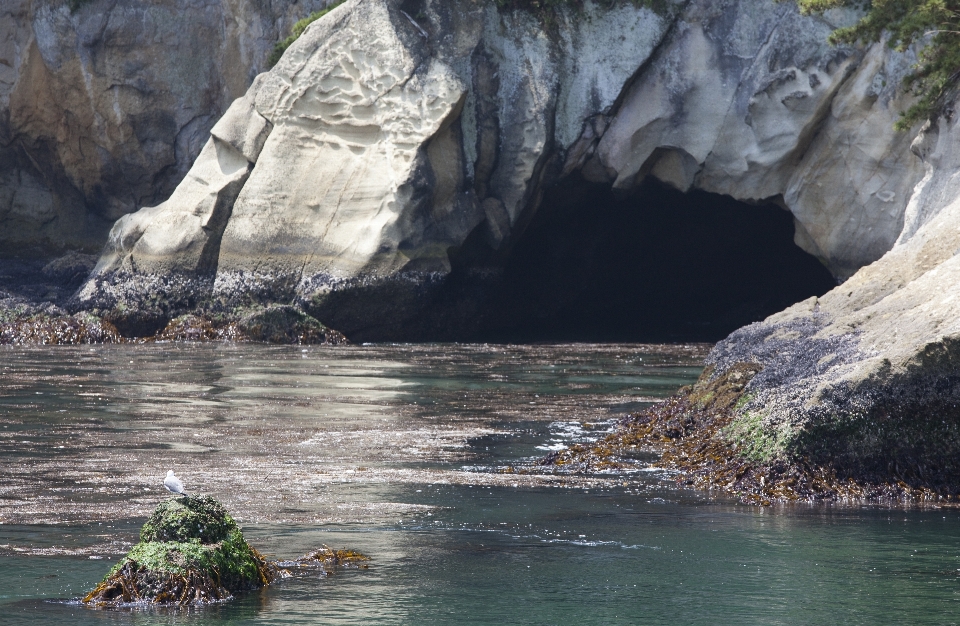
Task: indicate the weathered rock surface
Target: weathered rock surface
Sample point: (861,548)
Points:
(394,141)
(383,145)
(866,379)
(104,109)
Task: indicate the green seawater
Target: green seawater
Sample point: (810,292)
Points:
(403,453)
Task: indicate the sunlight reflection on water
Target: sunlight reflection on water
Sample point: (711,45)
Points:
(397,451)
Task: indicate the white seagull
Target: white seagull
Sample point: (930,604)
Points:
(172,483)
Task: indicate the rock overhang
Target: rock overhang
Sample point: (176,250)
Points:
(382,141)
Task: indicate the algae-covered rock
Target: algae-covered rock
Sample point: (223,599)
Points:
(192,327)
(55,329)
(280,323)
(190,552)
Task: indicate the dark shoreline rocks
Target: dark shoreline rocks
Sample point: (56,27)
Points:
(38,307)
(277,324)
(704,435)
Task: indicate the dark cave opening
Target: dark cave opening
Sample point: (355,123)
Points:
(649,266)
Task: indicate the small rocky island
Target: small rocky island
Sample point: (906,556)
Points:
(192,552)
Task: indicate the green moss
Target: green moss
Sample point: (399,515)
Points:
(742,402)
(190,550)
(281,46)
(754,441)
(196,534)
(199,518)
(704,400)
(231,561)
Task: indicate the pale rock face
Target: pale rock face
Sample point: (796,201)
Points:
(383,143)
(748,100)
(351,106)
(869,372)
(170,252)
(383,149)
(103,110)
(174,236)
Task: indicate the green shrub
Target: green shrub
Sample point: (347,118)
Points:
(281,46)
(76,4)
(934,77)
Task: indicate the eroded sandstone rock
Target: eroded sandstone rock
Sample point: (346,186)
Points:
(104,109)
(385,143)
(391,141)
(866,379)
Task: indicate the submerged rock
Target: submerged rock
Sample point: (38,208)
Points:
(192,327)
(277,323)
(190,552)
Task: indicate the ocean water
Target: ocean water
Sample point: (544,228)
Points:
(419,456)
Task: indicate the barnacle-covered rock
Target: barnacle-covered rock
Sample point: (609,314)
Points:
(55,329)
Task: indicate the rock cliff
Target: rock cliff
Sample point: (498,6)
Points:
(103,109)
(866,379)
(392,137)
(393,140)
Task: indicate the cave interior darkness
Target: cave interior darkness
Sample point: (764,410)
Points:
(651,265)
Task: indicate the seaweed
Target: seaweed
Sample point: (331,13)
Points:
(709,437)
(327,559)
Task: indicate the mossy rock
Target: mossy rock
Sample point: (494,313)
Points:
(190,552)
(283,323)
(188,518)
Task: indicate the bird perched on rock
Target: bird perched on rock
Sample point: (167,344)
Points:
(172,483)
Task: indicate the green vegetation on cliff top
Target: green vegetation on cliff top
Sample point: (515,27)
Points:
(934,24)
(543,8)
(298,28)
